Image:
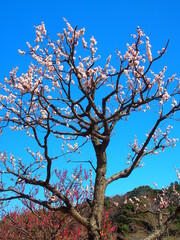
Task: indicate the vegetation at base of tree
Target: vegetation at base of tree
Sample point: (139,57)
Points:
(128,223)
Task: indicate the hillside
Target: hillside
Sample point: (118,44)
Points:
(138,224)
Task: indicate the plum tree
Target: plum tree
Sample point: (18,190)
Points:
(70,97)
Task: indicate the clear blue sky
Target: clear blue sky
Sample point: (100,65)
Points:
(111,22)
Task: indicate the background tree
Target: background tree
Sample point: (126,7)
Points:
(163,208)
(71,98)
(44,224)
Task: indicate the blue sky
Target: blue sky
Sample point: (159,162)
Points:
(111,22)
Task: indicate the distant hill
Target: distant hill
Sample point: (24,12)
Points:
(133,225)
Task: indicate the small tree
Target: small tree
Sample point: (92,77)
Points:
(164,209)
(73,99)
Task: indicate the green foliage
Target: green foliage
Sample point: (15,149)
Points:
(143,190)
(175,185)
(125,229)
(129,223)
(107,202)
(177,224)
(129,208)
(172,208)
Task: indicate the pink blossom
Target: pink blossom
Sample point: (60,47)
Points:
(21,52)
(84,43)
(93,40)
(116,204)
(148,50)
(166,96)
(68,25)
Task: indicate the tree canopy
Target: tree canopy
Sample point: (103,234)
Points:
(66,95)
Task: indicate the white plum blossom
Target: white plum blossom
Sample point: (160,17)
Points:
(148,50)
(21,52)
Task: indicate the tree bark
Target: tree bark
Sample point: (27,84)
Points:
(94,235)
(95,222)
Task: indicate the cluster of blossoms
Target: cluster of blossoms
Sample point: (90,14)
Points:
(159,134)
(77,191)
(161,140)
(148,49)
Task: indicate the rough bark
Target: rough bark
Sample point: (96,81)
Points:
(155,235)
(95,222)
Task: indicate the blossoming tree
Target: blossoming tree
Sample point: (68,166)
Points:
(164,207)
(71,98)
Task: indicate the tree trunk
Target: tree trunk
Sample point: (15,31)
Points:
(94,235)
(99,192)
